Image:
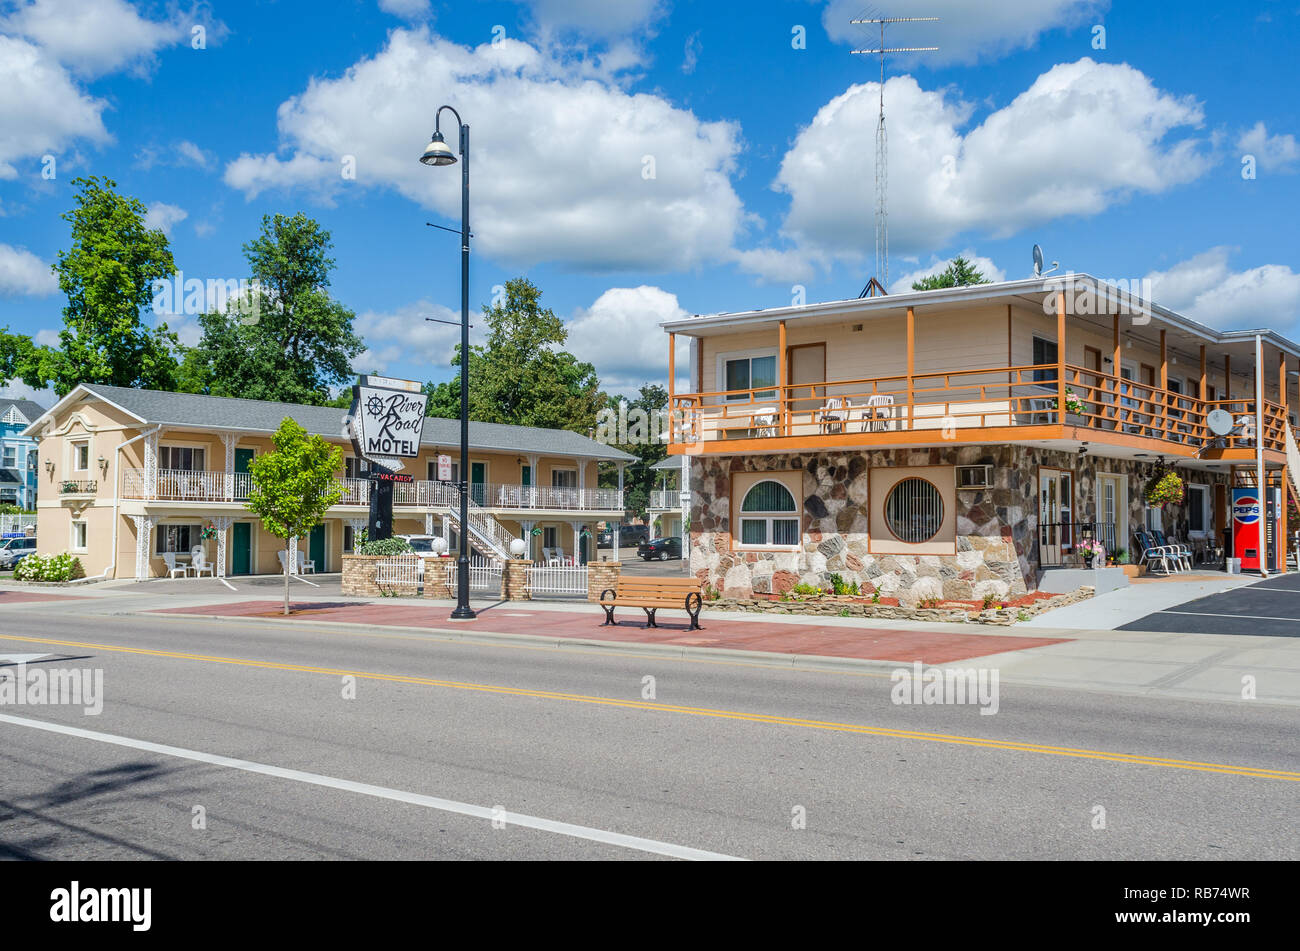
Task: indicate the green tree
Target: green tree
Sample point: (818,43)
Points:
(957,274)
(108,277)
(291,341)
(294,486)
(639,479)
(521,375)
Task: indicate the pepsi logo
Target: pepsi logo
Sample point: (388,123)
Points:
(1246,510)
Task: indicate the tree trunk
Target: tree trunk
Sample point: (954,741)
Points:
(286,576)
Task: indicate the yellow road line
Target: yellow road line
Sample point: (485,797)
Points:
(771,719)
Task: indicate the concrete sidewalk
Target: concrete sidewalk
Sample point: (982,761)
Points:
(1114,609)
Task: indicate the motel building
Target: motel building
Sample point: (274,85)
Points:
(132,476)
(960,443)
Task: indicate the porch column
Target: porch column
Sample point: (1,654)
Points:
(1281,381)
(358,525)
(1060,358)
(672,384)
(428,523)
(293,556)
(1164,385)
(1227,377)
(527,529)
(1115,370)
(1204,380)
(781,373)
(143,532)
(911,365)
(582,483)
(577,540)
(221,523)
(151,466)
(229,440)
(623,511)
(532,489)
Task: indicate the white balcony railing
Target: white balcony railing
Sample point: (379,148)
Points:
(180,485)
(665,499)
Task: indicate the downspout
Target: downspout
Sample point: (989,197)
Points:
(1259,456)
(111,570)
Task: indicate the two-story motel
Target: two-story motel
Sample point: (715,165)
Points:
(955,443)
(132,475)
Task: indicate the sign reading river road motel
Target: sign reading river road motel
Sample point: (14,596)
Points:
(387,420)
(385,425)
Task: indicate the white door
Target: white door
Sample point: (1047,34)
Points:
(1049,517)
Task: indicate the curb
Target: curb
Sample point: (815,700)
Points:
(669,651)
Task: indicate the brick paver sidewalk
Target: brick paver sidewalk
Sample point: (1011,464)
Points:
(864,643)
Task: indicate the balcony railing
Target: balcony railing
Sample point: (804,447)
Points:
(178,485)
(78,486)
(665,499)
(935,406)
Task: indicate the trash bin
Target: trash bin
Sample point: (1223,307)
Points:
(1233,566)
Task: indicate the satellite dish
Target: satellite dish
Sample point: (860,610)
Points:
(1220,422)
(1038,261)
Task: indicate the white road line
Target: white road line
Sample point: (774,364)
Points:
(382,792)
(1260,587)
(1247,617)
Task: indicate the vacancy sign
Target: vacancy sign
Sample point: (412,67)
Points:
(387,420)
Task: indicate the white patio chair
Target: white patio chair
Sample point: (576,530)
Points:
(764,421)
(879,413)
(169,559)
(280,557)
(199,562)
(305,566)
(833,414)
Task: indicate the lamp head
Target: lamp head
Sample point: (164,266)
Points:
(437,152)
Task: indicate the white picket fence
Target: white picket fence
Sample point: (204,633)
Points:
(400,570)
(562,580)
(484,575)
(18,523)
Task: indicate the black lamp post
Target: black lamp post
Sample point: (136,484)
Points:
(438,153)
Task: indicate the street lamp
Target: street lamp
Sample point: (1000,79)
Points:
(439,153)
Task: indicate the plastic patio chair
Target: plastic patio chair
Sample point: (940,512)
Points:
(199,562)
(169,559)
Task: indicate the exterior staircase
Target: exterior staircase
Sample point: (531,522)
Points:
(485,533)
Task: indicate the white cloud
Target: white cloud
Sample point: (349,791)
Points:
(1205,288)
(965,31)
(1083,137)
(620,335)
(47,338)
(93,37)
(1273,153)
(559,163)
(403,337)
(164,216)
(691,53)
(406,9)
(596,18)
(23,273)
(178,154)
(41,109)
(903,285)
(17,390)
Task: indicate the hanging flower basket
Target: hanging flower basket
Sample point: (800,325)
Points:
(1165,489)
(209,532)
(1072,403)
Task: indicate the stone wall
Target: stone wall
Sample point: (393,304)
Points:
(514,580)
(437,575)
(359,576)
(996,528)
(602,575)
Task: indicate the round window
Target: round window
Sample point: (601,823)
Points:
(914,511)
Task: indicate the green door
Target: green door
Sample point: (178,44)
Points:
(241,554)
(316,548)
(242,458)
(477,478)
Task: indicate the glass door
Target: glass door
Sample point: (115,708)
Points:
(1049,517)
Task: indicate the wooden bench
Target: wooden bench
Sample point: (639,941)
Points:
(651,594)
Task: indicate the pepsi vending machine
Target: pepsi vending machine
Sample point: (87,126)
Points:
(1247,524)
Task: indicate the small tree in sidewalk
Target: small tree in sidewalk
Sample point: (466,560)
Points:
(294,486)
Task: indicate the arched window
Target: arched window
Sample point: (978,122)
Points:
(914,511)
(769,517)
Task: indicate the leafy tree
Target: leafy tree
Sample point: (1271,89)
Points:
(294,486)
(521,375)
(107,276)
(957,274)
(291,342)
(639,479)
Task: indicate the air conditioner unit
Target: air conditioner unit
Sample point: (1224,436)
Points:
(974,477)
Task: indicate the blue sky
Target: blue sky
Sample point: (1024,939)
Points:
(643,159)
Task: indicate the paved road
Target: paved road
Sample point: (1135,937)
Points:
(1269,606)
(248,721)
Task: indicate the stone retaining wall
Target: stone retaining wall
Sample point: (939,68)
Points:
(359,576)
(830,606)
(602,575)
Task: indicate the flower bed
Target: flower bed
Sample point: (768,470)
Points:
(1004,612)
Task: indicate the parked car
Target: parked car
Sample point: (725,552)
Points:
(14,550)
(419,543)
(627,535)
(660,548)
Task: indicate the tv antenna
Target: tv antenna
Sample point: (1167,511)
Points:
(882,139)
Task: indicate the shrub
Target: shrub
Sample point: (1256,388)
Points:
(63,567)
(384,546)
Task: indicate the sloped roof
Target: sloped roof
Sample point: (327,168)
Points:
(31,410)
(232,414)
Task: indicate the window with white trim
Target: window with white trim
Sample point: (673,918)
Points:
(177,538)
(185,458)
(748,372)
(769,517)
(1198,509)
(80,456)
(10,457)
(78,535)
